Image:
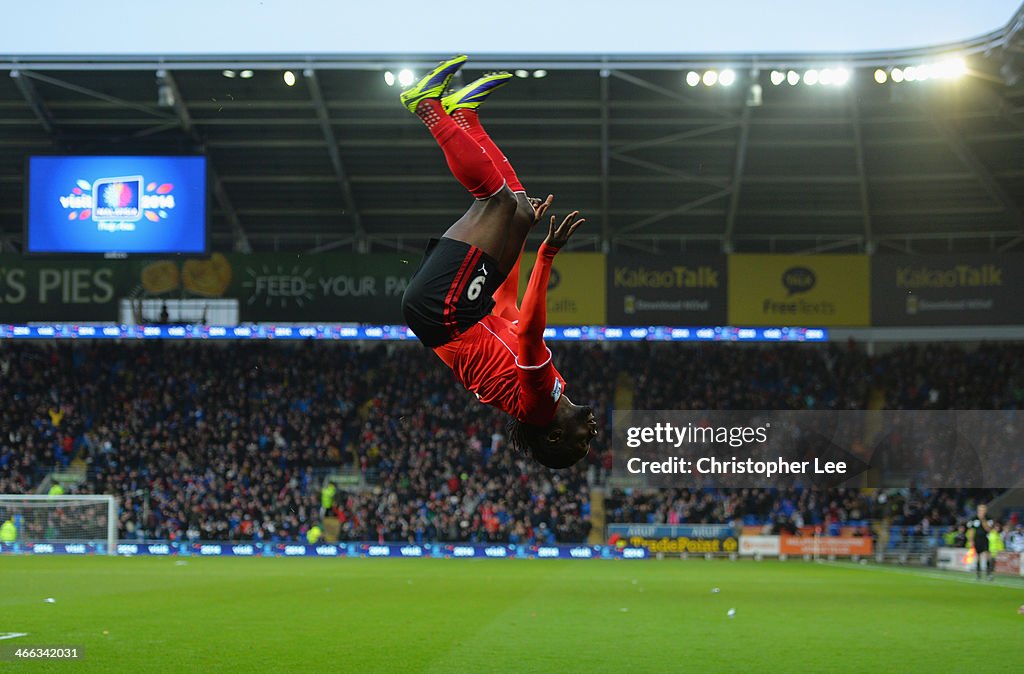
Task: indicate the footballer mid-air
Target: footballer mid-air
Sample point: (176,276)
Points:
(461,302)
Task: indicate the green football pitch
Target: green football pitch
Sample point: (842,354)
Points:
(388,615)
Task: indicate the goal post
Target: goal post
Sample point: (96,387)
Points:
(79,519)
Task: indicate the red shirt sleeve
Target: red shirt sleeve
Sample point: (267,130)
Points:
(533,311)
(541,385)
(541,388)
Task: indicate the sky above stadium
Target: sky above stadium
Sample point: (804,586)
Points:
(112,27)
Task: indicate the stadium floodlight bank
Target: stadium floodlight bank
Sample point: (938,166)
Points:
(86,522)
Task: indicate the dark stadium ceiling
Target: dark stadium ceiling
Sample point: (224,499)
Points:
(335,162)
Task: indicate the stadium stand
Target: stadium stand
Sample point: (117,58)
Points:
(213,442)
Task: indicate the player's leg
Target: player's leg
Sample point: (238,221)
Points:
(454,285)
(980,562)
(486,226)
(485,223)
(463,106)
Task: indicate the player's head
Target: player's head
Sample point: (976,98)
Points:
(563,442)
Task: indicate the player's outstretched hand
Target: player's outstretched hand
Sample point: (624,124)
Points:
(558,236)
(540,207)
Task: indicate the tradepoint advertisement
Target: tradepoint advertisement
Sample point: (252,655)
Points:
(679,538)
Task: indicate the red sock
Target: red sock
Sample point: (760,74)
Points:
(468,161)
(470,121)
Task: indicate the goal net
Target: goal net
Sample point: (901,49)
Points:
(89,521)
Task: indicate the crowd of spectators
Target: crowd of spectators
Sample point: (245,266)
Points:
(230,442)
(791,510)
(828,377)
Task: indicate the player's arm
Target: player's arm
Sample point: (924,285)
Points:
(533,312)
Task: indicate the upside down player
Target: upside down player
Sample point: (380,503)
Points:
(461,302)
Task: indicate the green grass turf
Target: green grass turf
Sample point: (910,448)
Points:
(317,615)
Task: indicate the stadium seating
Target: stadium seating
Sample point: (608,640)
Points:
(231,442)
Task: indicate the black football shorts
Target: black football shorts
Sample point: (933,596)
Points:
(450,292)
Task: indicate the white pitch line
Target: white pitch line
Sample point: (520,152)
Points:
(12,635)
(1009,582)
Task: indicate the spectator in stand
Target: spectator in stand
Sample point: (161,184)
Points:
(1015,539)
(314,535)
(327,498)
(8,532)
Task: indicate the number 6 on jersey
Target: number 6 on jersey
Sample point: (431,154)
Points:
(476,286)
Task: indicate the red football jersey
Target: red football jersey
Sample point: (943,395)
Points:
(484,361)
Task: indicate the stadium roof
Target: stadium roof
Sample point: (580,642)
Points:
(603,27)
(335,160)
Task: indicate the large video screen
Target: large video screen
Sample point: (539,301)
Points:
(116,205)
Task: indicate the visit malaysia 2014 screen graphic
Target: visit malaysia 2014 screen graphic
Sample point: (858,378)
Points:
(116,204)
